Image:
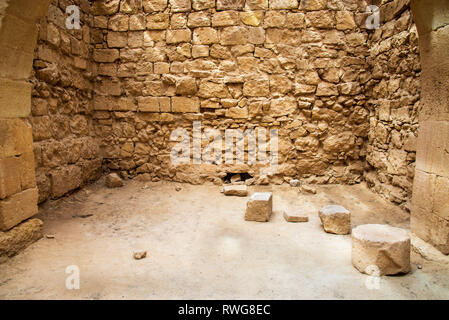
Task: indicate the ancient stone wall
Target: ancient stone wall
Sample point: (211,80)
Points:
(234,64)
(394,95)
(65,147)
(18,192)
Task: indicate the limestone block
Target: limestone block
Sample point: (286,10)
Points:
(295,217)
(225,18)
(433,143)
(178,36)
(283,4)
(257,4)
(64,180)
(117,40)
(320,19)
(282,106)
(103,7)
(180,5)
(15,99)
(105,55)
(184,104)
(237,113)
(153,104)
(239,190)
(16,137)
(18,238)
(253,19)
(159,21)
(382,248)
(327,89)
(256,88)
(345,20)
(17,208)
(230,4)
(113,181)
(205,35)
(199,19)
(234,36)
(137,22)
(16,174)
(154,5)
(259,207)
(203,4)
(335,219)
(119,22)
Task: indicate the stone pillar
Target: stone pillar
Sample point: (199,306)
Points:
(430,202)
(18,36)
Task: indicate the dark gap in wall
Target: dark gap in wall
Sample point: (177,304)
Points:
(236,177)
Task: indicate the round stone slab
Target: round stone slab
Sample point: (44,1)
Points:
(335,219)
(380,249)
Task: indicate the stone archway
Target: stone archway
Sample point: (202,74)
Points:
(18,36)
(430,213)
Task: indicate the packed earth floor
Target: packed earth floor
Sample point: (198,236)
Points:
(200,247)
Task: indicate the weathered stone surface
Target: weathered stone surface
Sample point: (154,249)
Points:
(18,208)
(381,248)
(259,207)
(295,217)
(335,219)
(235,190)
(113,181)
(19,237)
(65,180)
(183,104)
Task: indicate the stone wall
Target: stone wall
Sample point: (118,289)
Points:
(394,95)
(18,192)
(232,64)
(65,147)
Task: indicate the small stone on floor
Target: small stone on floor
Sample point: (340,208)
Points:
(295,217)
(113,180)
(139,255)
(307,189)
(335,219)
(240,190)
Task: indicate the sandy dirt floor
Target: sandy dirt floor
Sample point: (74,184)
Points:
(200,247)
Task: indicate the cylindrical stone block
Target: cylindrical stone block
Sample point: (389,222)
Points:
(381,249)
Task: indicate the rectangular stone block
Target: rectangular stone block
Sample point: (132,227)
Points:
(65,180)
(17,208)
(423,190)
(17,174)
(18,238)
(433,147)
(259,207)
(230,4)
(15,99)
(16,33)
(159,21)
(106,55)
(441,197)
(439,233)
(184,104)
(154,104)
(239,190)
(16,137)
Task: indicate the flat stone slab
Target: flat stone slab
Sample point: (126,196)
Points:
(239,190)
(259,207)
(296,217)
(381,249)
(335,219)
